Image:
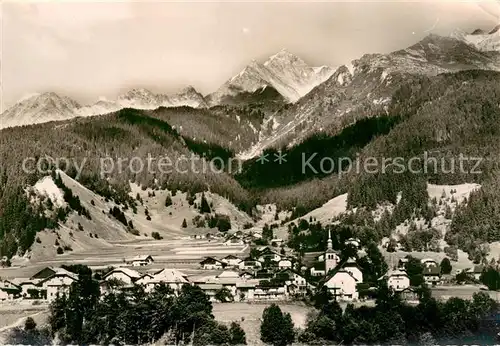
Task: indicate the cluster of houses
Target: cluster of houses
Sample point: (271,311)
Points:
(266,276)
(399,280)
(267,258)
(340,277)
(46,284)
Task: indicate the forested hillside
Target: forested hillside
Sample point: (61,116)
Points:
(445,116)
(80,144)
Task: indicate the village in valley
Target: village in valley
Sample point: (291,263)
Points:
(263,274)
(242,265)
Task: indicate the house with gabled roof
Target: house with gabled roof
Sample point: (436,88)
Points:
(432,275)
(9,290)
(234,240)
(249,264)
(342,281)
(318,269)
(342,284)
(476,271)
(169,277)
(124,275)
(398,280)
(231,260)
(212,263)
(269,254)
(140,260)
(293,277)
(48,272)
(58,284)
(46,283)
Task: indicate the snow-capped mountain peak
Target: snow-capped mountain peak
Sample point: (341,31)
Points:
(479,39)
(284,56)
(187,96)
(138,98)
(39,108)
(284,71)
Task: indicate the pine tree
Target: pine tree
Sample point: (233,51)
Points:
(204,206)
(238,336)
(276,327)
(168,201)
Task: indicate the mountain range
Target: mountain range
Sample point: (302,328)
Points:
(293,96)
(284,77)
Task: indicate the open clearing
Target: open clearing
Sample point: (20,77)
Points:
(17,311)
(179,253)
(249,316)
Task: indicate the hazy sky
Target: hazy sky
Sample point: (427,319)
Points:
(92,50)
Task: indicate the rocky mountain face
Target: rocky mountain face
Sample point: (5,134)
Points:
(47,107)
(39,108)
(283,78)
(481,40)
(289,75)
(145,99)
(186,97)
(365,87)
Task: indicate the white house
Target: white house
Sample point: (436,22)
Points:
(432,274)
(146,282)
(249,264)
(342,284)
(285,264)
(294,278)
(169,277)
(355,270)
(36,287)
(245,290)
(429,262)
(398,280)
(30,288)
(228,279)
(318,269)
(234,240)
(269,293)
(231,260)
(58,284)
(211,263)
(9,290)
(141,260)
(210,290)
(124,275)
(269,254)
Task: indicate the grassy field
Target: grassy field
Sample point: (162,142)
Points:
(183,254)
(11,312)
(249,316)
(464,292)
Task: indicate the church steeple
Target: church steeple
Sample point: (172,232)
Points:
(330,256)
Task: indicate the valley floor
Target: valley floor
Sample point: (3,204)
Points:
(182,254)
